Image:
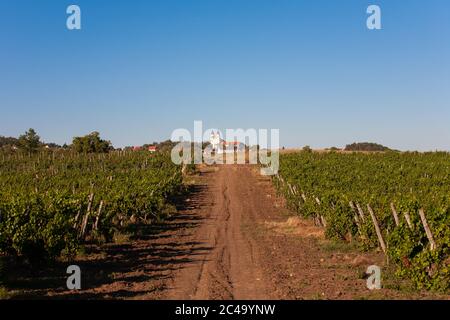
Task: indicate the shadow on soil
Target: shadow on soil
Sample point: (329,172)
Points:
(148,256)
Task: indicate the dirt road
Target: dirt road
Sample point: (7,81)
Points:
(231,269)
(233,238)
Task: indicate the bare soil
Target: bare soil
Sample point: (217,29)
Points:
(233,238)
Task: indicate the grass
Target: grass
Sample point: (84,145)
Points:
(121,238)
(338,246)
(393,282)
(254,229)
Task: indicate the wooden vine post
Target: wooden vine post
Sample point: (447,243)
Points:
(95,226)
(427,229)
(394,213)
(408,219)
(323,221)
(320,218)
(86,217)
(377,229)
(76,218)
(361,212)
(358,224)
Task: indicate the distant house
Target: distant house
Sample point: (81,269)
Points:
(137,148)
(152,148)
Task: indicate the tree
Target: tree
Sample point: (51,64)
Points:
(30,141)
(163,147)
(365,146)
(91,143)
(8,141)
(307,149)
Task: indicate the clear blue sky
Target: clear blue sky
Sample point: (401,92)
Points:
(139,69)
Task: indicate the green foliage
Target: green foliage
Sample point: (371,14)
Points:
(38,227)
(339,221)
(365,146)
(410,181)
(29,142)
(8,141)
(409,249)
(44,198)
(164,146)
(91,143)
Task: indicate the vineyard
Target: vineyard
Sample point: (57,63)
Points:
(53,202)
(398,203)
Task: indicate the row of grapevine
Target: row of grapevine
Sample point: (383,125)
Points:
(50,203)
(399,202)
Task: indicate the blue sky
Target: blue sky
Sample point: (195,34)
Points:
(139,69)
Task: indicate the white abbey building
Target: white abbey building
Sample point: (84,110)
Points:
(221,146)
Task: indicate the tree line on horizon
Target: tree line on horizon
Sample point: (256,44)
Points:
(366,146)
(30,142)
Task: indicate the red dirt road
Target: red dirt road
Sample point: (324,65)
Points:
(232,268)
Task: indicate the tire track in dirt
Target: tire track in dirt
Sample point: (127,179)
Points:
(231,269)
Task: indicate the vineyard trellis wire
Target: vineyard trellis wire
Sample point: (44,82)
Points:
(51,202)
(396,201)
